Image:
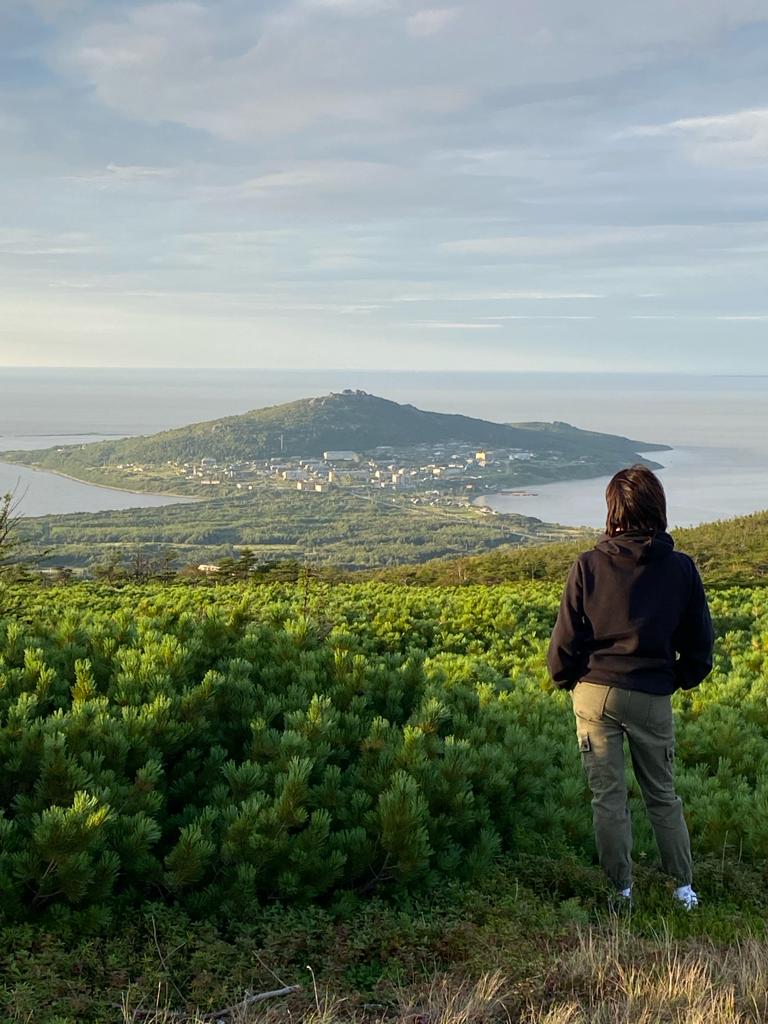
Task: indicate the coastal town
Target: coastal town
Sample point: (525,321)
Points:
(425,471)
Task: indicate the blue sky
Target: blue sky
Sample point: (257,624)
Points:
(494,184)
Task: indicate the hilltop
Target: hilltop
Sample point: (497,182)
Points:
(308,427)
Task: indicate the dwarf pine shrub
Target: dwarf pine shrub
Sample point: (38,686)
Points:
(226,746)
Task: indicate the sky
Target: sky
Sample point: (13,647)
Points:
(486,185)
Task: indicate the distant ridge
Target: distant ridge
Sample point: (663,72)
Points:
(350,419)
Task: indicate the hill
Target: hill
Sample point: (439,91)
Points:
(347,420)
(732,551)
(340,530)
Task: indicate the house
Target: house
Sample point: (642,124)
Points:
(316,486)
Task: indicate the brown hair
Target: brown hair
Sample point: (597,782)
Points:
(636,502)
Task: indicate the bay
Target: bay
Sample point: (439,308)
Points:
(38,492)
(702,484)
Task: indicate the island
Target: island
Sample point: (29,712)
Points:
(348,478)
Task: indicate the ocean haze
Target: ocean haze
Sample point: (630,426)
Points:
(718,426)
(661,408)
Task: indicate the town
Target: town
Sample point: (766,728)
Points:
(427,472)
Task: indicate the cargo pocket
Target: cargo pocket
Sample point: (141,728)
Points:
(594,768)
(587,753)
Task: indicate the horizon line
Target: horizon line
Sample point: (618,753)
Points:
(397,370)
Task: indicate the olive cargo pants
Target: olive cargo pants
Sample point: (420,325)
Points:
(604,716)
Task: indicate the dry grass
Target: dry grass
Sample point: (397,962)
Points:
(615,978)
(604,977)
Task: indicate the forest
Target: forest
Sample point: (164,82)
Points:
(281,767)
(344,531)
(732,551)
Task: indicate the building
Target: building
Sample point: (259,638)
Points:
(341,456)
(316,486)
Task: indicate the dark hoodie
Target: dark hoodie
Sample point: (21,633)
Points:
(633,614)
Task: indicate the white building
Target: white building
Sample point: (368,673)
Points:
(341,456)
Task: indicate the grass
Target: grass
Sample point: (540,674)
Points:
(604,976)
(530,943)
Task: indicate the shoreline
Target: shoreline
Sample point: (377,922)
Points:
(185,498)
(524,492)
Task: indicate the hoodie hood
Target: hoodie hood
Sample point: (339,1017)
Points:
(637,547)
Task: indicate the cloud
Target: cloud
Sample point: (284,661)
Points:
(535,245)
(278,68)
(319,175)
(747,317)
(496,296)
(251,76)
(138,172)
(541,316)
(24,242)
(430,21)
(739,138)
(366,162)
(452,325)
(127,174)
(355,8)
(744,316)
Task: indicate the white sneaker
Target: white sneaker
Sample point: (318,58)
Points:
(621,901)
(685,895)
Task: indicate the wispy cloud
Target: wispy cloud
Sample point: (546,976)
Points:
(740,137)
(497,296)
(538,245)
(35,243)
(315,175)
(541,316)
(452,325)
(354,8)
(728,317)
(430,21)
(119,175)
(744,316)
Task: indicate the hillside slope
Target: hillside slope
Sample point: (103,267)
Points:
(726,551)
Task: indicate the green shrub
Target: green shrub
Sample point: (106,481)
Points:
(222,747)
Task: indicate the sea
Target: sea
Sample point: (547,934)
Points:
(717,426)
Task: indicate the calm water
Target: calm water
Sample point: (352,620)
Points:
(702,484)
(717,425)
(41,493)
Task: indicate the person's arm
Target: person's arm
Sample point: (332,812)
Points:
(567,654)
(694,638)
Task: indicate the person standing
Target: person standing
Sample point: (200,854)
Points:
(633,627)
